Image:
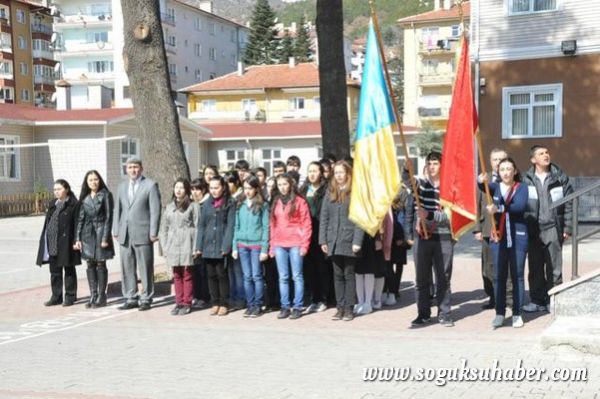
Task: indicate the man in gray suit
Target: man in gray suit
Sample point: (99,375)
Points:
(135,227)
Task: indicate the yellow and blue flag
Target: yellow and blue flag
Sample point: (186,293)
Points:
(375,176)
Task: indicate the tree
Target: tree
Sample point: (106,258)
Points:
(146,66)
(262,43)
(332,76)
(302,46)
(286,50)
(429,140)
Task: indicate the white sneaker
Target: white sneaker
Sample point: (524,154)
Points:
(312,308)
(365,309)
(390,300)
(321,307)
(377,305)
(358,308)
(517,321)
(532,307)
(498,321)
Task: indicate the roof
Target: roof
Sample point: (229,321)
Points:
(196,8)
(439,15)
(270,131)
(264,77)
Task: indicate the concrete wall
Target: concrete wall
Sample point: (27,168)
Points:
(25,182)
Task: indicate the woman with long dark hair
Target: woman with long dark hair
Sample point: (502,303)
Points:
(177,239)
(237,293)
(93,235)
(251,242)
(290,231)
(57,244)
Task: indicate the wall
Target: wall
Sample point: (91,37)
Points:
(22,82)
(26,181)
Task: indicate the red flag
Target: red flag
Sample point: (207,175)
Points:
(457,184)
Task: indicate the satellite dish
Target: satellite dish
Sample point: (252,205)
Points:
(53,10)
(100,44)
(53,37)
(57,67)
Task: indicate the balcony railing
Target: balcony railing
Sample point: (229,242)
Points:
(84,47)
(44,80)
(167,18)
(7,75)
(436,79)
(47,54)
(438,46)
(439,113)
(40,28)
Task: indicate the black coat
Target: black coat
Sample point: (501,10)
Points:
(94,226)
(67,223)
(215,229)
(318,198)
(336,230)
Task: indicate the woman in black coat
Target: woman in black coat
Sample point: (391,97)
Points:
(57,244)
(93,234)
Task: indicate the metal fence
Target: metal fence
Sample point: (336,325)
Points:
(23,204)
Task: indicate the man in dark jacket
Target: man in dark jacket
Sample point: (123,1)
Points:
(548,228)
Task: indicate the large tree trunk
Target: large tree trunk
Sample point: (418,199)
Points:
(332,74)
(146,65)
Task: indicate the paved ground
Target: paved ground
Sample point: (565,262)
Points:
(105,353)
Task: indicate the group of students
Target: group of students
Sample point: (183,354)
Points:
(246,240)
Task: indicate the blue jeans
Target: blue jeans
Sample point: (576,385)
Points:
(285,258)
(509,260)
(236,281)
(253,278)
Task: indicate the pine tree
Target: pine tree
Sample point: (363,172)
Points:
(287,48)
(302,50)
(262,43)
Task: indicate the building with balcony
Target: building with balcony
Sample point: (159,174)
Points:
(199,46)
(431,42)
(27,66)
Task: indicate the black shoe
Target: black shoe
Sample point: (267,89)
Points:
(338,315)
(175,310)
(256,312)
(184,310)
(296,314)
(283,314)
(446,321)
(68,302)
(128,305)
(348,315)
(102,283)
(53,302)
(144,306)
(489,305)
(420,321)
(248,312)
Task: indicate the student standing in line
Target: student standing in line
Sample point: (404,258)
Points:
(236,276)
(242,167)
(510,241)
(319,273)
(213,242)
(208,173)
(93,234)
(341,239)
(261,174)
(290,232)
(177,238)
(251,243)
(57,242)
(201,299)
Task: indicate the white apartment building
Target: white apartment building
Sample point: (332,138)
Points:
(199,45)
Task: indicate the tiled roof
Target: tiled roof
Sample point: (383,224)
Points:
(272,130)
(35,114)
(438,15)
(263,77)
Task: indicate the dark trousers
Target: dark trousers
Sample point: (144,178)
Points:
(318,275)
(509,259)
(393,278)
(344,281)
(56,280)
(437,252)
(488,274)
(272,283)
(545,265)
(200,281)
(218,282)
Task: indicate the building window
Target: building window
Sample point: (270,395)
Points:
(96,37)
(429,37)
(269,156)
(532,111)
(171,40)
(173,69)
(212,54)
(100,66)
(129,148)
(317,102)
(233,60)
(209,105)
(456,31)
(6,93)
(9,158)
(22,43)
(25,95)
(126,93)
(99,10)
(296,103)
(198,75)
(198,24)
(198,50)
(413,155)
(232,156)
(249,108)
(6,68)
(232,36)
(516,7)
(4,13)
(24,68)
(20,16)
(212,28)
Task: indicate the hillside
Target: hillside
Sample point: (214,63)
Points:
(356,12)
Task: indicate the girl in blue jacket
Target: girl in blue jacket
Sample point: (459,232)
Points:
(509,242)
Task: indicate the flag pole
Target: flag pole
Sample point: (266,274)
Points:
(488,196)
(388,81)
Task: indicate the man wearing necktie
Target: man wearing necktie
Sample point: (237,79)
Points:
(135,227)
(482,233)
